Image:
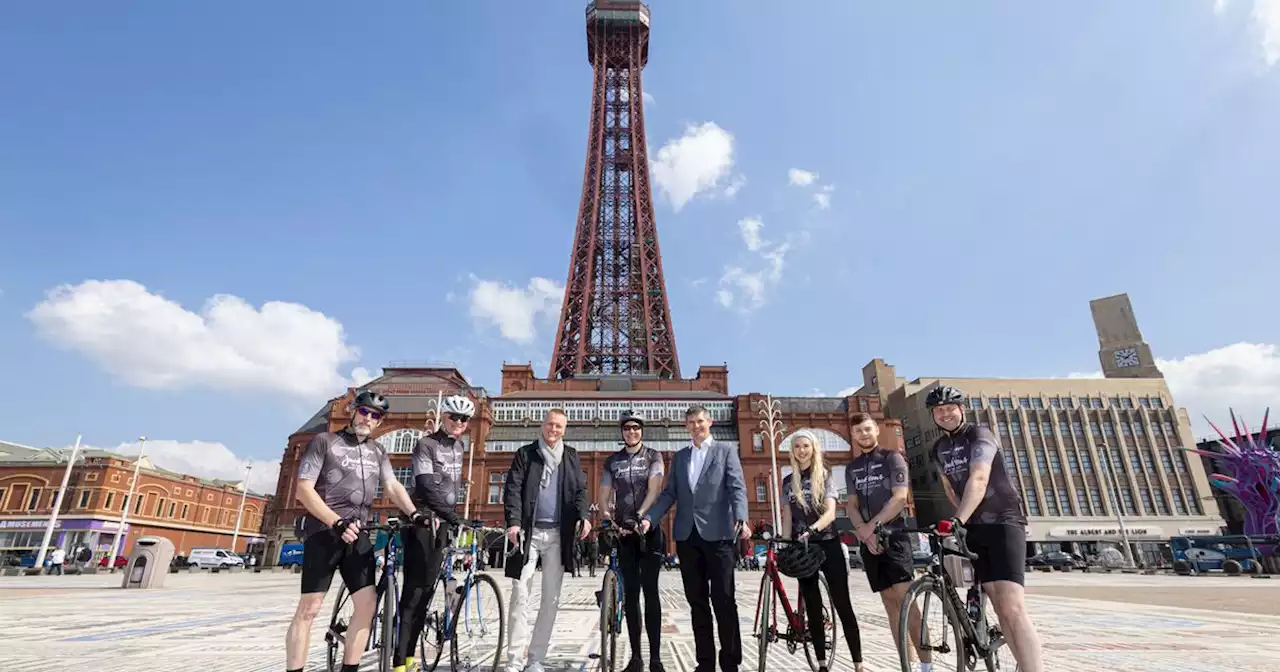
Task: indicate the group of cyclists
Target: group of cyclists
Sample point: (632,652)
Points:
(546,509)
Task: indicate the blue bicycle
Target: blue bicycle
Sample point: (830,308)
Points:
(476,602)
(610,598)
(386,616)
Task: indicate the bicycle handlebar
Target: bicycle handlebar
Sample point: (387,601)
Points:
(940,530)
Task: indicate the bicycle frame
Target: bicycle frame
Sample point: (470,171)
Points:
(795,617)
(469,568)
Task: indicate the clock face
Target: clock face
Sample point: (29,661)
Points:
(1126,357)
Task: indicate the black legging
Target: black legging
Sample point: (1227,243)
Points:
(836,570)
(641,570)
(422,561)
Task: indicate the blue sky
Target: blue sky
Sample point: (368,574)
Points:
(400,182)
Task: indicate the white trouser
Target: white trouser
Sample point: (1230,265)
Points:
(544,544)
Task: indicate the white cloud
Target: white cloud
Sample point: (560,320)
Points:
(1265,24)
(647,98)
(750,228)
(848,391)
(513,310)
(747,290)
(698,282)
(823,196)
(801,178)
(207,459)
(695,162)
(361,375)
(1243,376)
(735,185)
(153,342)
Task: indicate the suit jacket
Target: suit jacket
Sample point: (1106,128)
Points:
(719,501)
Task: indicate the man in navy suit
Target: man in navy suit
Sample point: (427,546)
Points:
(707,487)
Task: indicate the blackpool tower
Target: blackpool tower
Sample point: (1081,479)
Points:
(616,318)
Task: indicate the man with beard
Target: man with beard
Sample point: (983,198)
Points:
(338,478)
(437,473)
(989,506)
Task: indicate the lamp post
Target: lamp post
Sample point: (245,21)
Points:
(770,412)
(57,506)
(244,490)
(117,545)
(1114,491)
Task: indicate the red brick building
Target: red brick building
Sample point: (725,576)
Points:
(593,404)
(187,510)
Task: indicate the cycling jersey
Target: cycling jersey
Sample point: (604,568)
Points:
(872,476)
(629,476)
(953,453)
(346,472)
(802,518)
(437,473)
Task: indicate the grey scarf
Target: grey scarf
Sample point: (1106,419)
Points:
(552,456)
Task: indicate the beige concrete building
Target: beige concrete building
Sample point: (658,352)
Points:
(1090,455)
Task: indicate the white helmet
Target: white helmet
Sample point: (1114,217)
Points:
(458,404)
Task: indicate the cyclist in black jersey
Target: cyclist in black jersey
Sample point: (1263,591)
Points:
(630,483)
(338,477)
(990,508)
(811,495)
(437,475)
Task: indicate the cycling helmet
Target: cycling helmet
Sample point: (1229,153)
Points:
(941,396)
(631,416)
(459,405)
(800,561)
(371,399)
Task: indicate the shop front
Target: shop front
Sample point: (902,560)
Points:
(20,535)
(1148,539)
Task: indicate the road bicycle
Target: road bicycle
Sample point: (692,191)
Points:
(386,615)
(464,602)
(797,632)
(610,597)
(974,634)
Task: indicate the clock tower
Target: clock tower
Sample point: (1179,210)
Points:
(1121,349)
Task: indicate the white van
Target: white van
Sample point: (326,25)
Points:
(213,557)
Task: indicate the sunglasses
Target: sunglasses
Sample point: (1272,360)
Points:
(459,418)
(632,428)
(370,413)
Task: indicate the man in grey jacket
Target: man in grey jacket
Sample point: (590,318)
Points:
(707,487)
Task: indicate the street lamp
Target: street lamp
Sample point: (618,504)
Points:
(57,505)
(770,412)
(1114,491)
(128,502)
(244,490)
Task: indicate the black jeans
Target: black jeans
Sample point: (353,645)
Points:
(423,559)
(640,570)
(707,570)
(837,572)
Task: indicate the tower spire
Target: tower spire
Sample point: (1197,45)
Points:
(616,318)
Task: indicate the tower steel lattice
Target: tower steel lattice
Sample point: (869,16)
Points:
(616,318)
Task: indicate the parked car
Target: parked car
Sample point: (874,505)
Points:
(121,561)
(213,557)
(1059,560)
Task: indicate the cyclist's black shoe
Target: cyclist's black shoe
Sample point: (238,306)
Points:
(822,668)
(656,666)
(636,665)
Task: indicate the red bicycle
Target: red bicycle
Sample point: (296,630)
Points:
(796,633)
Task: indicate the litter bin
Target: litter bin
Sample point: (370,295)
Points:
(148,563)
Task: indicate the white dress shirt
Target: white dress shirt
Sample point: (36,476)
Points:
(697,459)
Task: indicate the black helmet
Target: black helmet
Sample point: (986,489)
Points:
(631,416)
(371,399)
(941,396)
(800,561)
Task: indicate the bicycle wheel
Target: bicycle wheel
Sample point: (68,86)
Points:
(388,621)
(335,636)
(936,617)
(431,643)
(479,625)
(828,627)
(608,655)
(764,622)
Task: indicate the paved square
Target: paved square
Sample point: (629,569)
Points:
(237,622)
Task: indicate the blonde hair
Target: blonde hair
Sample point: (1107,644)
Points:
(817,475)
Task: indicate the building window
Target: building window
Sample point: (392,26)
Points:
(172,507)
(137,504)
(1015,426)
(1086,462)
(1024,402)
(1108,429)
(1006,403)
(184,511)
(1023,464)
(160,507)
(84,499)
(1033,504)
(975,402)
(107,505)
(1064,502)
(1066,403)
(1055,402)
(1162,504)
(1046,428)
(1179,506)
(1055,464)
(1037,403)
(1145,402)
(1082,502)
(1042,465)
(1095,499)
(1034,428)
(1003,427)
(1126,402)
(33,501)
(761,491)
(1050,504)
(405,476)
(1126,499)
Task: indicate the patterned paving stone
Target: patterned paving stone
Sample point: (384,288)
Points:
(238,621)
